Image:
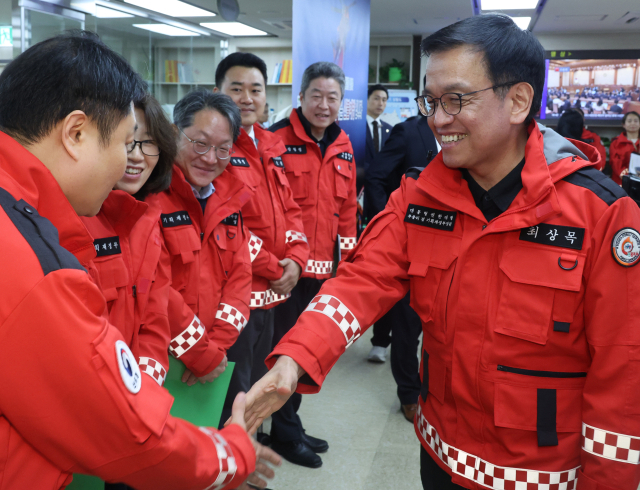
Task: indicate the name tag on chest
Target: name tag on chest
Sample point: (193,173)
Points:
(107,246)
(431,218)
(554,235)
(277,161)
(231,220)
(345,156)
(179,218)
(296,149)
(239,162)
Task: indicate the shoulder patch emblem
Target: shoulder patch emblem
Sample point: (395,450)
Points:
(107,246)
(239,162)
(178,218)
(431,218)
(296,149)
(277,161)
(129,369)
(554,235)
(231,220)
(345,156)
(625,247)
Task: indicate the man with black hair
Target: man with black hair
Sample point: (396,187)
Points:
(278,246)
(520,259)
(377,130)
(73,397)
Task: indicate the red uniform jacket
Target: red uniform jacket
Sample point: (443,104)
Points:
(325,190)
(134,275)
(620,154)
(65,406)
(271,215)
(531,321)
(210,269)
(594,140)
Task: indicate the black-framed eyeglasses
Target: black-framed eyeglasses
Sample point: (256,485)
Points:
(451,102)
(201,148)
(147,147)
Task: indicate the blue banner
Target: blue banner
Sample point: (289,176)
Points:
(336,31)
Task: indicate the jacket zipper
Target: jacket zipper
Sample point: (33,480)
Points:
(134,291)
(541,374)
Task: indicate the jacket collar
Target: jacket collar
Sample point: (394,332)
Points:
(535,203)
(122,211)
(29,179)
(301,133)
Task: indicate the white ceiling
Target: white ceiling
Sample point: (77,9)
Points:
(407,17)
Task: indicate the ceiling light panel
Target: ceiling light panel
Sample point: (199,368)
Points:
(107,13)
(172,8)
(165,29)
(522,22)
(233,29)
(509,4)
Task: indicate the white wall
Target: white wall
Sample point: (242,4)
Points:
(553,78)
(625,76)
(605,77)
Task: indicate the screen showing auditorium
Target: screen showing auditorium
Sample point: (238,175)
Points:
(604,89)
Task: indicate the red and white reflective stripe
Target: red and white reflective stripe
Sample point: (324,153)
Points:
(226,461)
(347,243)
(255,244)
(319,267)
(292,236)
(153,368)
(231,315)
(187,339)
(611,445)
(339,313)
(489,475)
(265,298)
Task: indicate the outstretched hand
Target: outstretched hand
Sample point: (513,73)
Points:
(271,392)
(264,455)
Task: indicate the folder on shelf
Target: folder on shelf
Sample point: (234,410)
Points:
(185,72)
(283,72)
(276,73)
(171,71)
(199,404)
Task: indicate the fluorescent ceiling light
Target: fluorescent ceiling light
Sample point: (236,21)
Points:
(165,29)
(173,8)
(509,4)
(233,28)
(522,22)
(107,13)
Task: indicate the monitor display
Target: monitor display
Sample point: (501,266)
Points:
(605,85)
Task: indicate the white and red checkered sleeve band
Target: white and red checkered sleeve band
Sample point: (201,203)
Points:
(319,267)
(187,339)
(611,445)
(265,298)
(231,315)
(153,368)
(339,313)
(226,461)
(295,236)
(488,474)
(255,244)
(348,242)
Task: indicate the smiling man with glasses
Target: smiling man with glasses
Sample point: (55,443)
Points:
(520,259)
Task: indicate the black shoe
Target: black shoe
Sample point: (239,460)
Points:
(297,453)
(315,444)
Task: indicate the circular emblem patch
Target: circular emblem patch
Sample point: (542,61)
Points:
(129,369)
(626,247)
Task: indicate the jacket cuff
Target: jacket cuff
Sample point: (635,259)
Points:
(207,361)
(243,452)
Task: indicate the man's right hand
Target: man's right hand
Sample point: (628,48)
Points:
(190,379)
(271,392)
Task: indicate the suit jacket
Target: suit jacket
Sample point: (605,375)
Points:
(370,154)
(408,146)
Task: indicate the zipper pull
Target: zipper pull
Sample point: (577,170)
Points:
(134,290)
(201,237)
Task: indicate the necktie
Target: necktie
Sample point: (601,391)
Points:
(376,137)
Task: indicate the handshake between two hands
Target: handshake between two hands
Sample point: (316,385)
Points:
(249,411)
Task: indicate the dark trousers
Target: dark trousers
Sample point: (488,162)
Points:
(405,366)
(249,352)
(117,486)
(286,426)
(382,332)
(433,477)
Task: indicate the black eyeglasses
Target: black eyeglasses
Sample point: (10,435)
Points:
(202,148)
(451,102)
(147,147)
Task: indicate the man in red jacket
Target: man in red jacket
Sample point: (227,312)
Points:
(73,397)
(322,173)
(520,258)
(279,248)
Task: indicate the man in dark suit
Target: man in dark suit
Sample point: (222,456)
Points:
(377,130)
(411,144)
